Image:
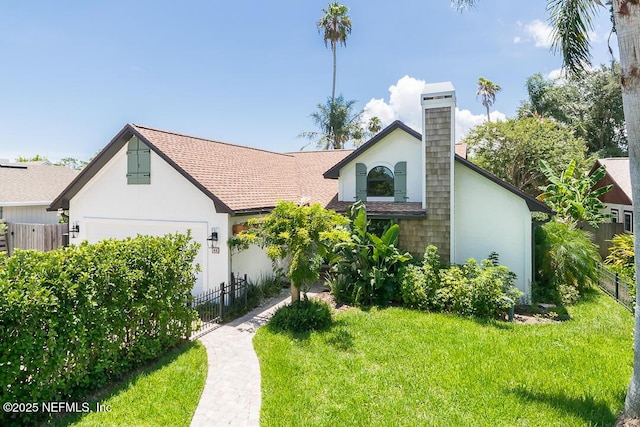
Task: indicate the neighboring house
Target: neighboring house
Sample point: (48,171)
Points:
(618,201)
(436,196)
(27,190)
(149,181)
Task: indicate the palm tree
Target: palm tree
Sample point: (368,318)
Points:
(336,25)
(572,22)
(374,125)
(487,92)
(338,125)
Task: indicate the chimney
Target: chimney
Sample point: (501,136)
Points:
(438,102)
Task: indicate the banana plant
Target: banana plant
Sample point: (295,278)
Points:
(369,263)
(575,198)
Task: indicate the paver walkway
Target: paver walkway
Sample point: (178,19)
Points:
(231,395)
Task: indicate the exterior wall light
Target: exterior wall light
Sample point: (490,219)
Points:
(74,230)
(212,241)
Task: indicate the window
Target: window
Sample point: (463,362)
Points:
(380,182)
(628,221)
(615,216)
(138,162)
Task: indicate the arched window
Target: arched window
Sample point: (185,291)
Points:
(380,182)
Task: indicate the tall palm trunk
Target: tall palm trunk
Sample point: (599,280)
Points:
(627,21)
(488,117)
(333,88)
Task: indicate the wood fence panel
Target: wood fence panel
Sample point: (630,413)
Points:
(41,237)
(603,234)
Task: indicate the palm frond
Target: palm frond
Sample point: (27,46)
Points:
(572,20)
(463,4)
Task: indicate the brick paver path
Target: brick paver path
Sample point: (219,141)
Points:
(231,395)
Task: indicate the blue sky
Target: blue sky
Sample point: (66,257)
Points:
(249,72)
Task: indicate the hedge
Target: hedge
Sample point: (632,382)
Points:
(75,318)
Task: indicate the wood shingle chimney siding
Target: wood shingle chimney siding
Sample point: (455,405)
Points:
(438,108)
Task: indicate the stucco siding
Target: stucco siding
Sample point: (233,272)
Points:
(253,261)
(108,207)
(398,146)
(488,218)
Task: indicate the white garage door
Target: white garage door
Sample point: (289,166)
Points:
(108,228)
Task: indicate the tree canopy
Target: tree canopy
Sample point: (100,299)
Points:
(590,104)
(513,149)
(298,234)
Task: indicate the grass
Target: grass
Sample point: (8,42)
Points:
(401,367)
(165,393)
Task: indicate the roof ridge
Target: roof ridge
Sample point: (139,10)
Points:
(207,139)
(319,151)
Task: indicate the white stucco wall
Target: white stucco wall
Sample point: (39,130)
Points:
(29,214)
(398,146)
(489,218)
(107,207)
(253,261)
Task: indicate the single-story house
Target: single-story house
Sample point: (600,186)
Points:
(618,201)
(27,190)
(148,181)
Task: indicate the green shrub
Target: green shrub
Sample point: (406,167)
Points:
(413,288)
(621,258)
(483,290)
(74,318)
(566,262)
(365,269)
(300,316)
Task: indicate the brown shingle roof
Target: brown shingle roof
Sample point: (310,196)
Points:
(618,171)
(311,166)
(374,209)
(28,183)
(238,179)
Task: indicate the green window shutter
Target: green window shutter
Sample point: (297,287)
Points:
(361,182)
(400,182)
(144,164)
(138,162)
(132,161)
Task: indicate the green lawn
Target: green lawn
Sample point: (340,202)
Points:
(398,367)
(166,393)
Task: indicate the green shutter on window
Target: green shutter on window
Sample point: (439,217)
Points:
(144,164)
(400,182)
(132,161)
(138,162)
(361,182)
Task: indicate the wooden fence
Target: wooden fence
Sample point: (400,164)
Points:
(42,237)
(603,234)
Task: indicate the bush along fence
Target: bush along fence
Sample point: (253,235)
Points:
(75,318)
(219,304)
(617,287)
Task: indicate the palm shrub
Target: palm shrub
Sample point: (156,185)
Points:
(566,262)
(364,269)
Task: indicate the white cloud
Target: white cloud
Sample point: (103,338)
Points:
(404,105)
(558,73)
(540,32)
(516,40)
